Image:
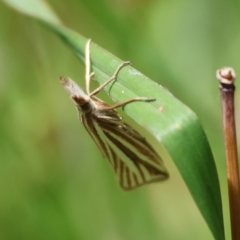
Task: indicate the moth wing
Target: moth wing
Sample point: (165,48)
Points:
(134,160)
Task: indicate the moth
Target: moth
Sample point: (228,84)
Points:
(134,160)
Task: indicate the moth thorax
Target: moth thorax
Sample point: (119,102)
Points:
(86,107)
(83,103)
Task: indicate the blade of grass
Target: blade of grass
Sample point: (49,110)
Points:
(173,124)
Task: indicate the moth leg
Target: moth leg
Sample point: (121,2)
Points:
(120,104)
(107,119)
(88,73)
(110,79)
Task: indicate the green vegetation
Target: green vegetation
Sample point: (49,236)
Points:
(55,183)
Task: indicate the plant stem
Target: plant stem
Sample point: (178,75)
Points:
(226,77)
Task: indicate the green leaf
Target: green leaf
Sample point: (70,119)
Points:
(174,125)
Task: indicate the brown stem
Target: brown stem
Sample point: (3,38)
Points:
(226,77)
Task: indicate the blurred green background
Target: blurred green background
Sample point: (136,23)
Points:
(54,182)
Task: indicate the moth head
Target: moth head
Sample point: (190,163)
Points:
(81,99)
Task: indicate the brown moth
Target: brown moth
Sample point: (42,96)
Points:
(134,160)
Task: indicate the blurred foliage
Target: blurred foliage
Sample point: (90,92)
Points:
(52,186)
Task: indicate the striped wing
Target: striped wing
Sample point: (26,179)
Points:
(134,160)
